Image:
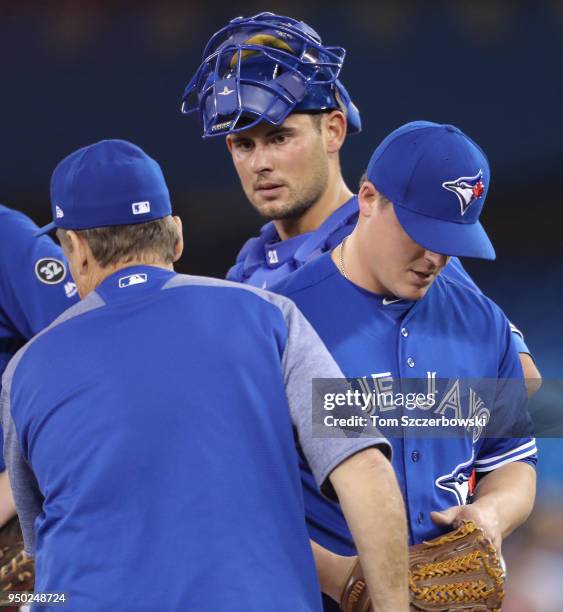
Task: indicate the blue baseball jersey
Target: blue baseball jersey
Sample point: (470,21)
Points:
(35,285)
(265,260)
(452,333)
(153,461)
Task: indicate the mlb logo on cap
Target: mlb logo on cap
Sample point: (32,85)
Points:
(141,208)
(112,182)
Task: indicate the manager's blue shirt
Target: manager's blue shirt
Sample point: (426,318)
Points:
(150,445)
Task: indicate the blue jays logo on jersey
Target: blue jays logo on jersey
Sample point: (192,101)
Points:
(467,189)
(457,481)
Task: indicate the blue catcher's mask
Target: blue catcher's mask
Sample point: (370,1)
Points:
(263,68)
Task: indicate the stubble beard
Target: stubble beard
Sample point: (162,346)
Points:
(294,209)
(298,203)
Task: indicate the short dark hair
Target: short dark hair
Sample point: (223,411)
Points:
(124,243)
(317,119)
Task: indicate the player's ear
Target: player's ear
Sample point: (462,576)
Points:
(367,198)
(229,143)
(334,127)
(64,241)
(79,251)
(179,248)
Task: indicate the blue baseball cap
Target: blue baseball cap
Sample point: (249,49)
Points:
(437,179)
(111,182)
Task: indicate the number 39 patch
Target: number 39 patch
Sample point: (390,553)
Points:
(50,270)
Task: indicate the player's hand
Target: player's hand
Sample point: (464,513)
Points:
(484,516)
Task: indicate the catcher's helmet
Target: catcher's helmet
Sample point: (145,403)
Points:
(262,68)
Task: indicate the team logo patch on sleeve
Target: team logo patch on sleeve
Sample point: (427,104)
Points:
(467,189)
(50,270)
(70,289)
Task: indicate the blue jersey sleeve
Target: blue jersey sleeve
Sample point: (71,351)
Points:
(518,339)
(511,407)
(35,285)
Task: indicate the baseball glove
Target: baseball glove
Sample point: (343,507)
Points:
(460,570)
(16,568)
(11,541)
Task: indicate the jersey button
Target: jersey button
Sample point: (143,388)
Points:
(415,455)
(404,332)
(420,518)
(410,362)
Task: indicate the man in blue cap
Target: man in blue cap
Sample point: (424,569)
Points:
(149,431)
(386,312)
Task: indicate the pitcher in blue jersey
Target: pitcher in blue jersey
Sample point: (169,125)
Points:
(384,308)
(150,429)
(35,287)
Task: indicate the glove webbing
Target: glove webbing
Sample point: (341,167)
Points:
(466,591)
(465,528)
(473,561)
(12,567)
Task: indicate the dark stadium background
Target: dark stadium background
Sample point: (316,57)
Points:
(75,72)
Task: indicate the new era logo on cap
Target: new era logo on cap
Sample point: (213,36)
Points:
(141,208)
(59,212)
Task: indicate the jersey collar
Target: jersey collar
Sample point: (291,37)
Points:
(277,252)
(133,280)
(308,245)
(385,302)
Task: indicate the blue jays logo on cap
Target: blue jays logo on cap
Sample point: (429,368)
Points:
(467,189)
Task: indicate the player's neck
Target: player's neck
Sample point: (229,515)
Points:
(335,195)
(349,257)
